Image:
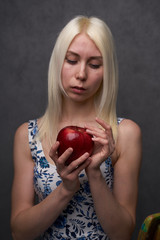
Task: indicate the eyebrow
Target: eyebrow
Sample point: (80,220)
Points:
(77,55)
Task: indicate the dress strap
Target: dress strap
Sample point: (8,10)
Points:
(32,129)
(119,120)
(32,132)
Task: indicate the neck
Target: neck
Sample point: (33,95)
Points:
(78,113)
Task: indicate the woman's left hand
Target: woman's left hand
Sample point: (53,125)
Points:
(104,144)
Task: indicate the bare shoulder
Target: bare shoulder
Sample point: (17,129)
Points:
(21,134)
(21,141)
(128,128)
(22,131)
(129,135)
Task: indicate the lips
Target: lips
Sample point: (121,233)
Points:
(79,88)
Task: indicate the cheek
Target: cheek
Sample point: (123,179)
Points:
(98,81)
(98,85)
(64,76)
(67,71)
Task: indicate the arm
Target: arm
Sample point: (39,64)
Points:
(116,210)
(28,220)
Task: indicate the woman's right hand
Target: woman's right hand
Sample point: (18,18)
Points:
(69,174)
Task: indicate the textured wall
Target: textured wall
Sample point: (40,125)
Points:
(28,31)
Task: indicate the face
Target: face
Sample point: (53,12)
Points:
(82,71)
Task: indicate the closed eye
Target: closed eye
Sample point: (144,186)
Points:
(72,62)
(95,66)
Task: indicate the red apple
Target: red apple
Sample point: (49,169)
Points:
(76,138)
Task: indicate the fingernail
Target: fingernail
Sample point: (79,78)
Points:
(71,149)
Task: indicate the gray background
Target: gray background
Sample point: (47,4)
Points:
(28,32)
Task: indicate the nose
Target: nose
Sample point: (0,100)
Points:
(82,72)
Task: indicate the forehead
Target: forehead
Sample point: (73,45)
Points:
(82,43)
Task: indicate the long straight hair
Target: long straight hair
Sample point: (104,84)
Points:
(105,98)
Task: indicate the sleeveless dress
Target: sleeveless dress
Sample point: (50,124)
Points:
(78,220)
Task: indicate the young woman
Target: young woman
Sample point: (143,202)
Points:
(86,199)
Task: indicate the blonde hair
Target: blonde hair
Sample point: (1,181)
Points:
(105,99)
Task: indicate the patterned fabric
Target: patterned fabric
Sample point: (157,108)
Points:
(78,220)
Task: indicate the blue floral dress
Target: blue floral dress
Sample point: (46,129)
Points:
(78,220)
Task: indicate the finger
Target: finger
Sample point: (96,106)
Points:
(97,133)
(76,166)
(93,128)
(78,162)
(62,159)
(103,124)
(53,150)
(82,166)
(102,141)
(106,126)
